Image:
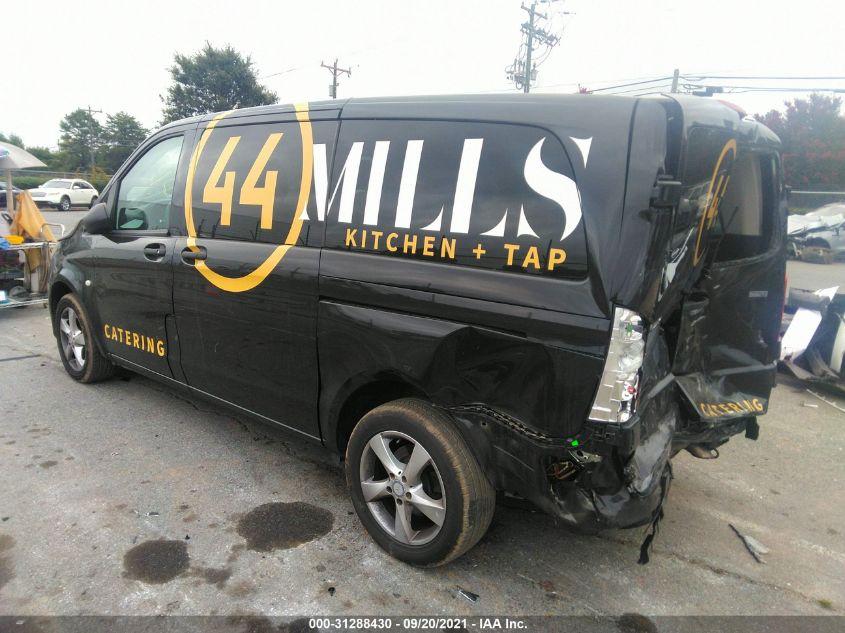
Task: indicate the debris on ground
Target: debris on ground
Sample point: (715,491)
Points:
(754,547)
(472,597)
(825,400)
(813,338)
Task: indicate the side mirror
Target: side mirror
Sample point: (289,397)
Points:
(97,221)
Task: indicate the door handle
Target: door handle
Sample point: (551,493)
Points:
(154,252)
(189,255)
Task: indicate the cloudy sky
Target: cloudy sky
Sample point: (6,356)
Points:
(114,55)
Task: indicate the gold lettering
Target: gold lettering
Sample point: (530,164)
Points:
(350,238)
(447,247)
(533,258)
(376,235)
(410,245)
(735,407)
(120,334)
(264,196)
(556,256)
(758,406)
(364,238)
(390,242)
(511,249)
(106,330)
(428,246)
(160,347)
(150,344)
(222,194)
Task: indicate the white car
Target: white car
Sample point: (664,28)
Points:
(64,193)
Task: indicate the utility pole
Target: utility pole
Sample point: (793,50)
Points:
(524,69)
(532,12)
(91,113)
(675,76)
(335,71)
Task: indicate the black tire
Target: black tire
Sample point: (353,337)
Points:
(64,204)
(94,366)
(93,202)
(468,497)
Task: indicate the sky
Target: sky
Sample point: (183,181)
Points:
(114,55)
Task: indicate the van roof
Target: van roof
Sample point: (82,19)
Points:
(462,105)
(539,109)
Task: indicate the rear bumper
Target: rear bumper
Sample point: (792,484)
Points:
(595,493)
(608,475)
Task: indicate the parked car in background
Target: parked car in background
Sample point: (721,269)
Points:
(64,193)
(3,193)
(818,235)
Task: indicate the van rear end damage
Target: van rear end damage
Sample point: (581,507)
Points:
(692,340)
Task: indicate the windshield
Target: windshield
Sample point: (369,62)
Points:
(56,184)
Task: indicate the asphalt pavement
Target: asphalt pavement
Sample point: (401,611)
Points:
(126,498)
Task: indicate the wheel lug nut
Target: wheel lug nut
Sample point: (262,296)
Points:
(403,479)
(407,495)
(399,502)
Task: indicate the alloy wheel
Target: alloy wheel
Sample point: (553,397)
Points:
(403,488)
(73,339)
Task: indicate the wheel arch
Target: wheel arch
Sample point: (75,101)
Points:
(58,289)
(361,396)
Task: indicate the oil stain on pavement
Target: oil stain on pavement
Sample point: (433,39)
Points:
(156,562)
(284,525)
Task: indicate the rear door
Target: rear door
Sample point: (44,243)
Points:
(133,279)
(246,268)
(733,260)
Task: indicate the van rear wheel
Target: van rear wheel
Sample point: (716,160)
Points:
(415,484)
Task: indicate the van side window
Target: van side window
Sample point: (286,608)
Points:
(496,196)
(146,190)
(248,181)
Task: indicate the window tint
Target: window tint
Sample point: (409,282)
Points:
(247,182)
(496,196)
(144,196)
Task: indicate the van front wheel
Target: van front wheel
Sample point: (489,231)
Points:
(415,484)
(77,348)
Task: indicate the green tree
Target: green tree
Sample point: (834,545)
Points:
(81,136)
(13,139)
(212,80)
(812,131)
(121,135)
(53,160)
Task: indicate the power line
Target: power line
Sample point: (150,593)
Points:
(633,83)
(765,77)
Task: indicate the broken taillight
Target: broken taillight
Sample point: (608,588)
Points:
(616,396)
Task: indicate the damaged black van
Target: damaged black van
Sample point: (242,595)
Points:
(548,296)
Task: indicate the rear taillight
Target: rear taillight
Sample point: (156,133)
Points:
(617,393)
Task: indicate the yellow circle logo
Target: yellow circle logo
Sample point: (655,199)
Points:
(252,279)
(718,185)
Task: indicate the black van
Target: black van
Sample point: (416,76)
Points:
(547,296)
